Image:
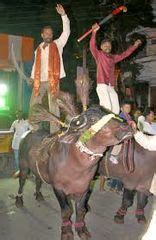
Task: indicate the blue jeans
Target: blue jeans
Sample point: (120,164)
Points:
(16,159)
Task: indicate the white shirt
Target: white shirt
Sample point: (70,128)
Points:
(19,127)
(146,127)
(149,128)
(60,42)
(140,123)
(147,142)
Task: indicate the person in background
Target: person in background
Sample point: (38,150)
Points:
(48,68)
(125,113)
(105,62)
(149,125)
(136,114)
(146,122)
(19,127)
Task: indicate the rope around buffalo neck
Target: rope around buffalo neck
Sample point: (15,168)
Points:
(88,134)
(86,150)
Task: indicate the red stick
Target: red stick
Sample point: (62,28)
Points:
(114,12)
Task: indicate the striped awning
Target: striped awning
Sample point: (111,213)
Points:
(23,48)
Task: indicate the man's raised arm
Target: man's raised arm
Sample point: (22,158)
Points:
(128,52)
(66,26)
(93,47)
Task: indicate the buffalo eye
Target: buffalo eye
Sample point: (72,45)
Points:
(77,122)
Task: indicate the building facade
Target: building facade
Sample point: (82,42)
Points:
(147,77)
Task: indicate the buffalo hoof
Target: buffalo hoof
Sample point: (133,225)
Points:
(67,233)
(83,233)
(141,219)
(119,219)
(39,196)
(19,202)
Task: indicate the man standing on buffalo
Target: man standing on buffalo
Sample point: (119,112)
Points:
(48,66)
(105,70)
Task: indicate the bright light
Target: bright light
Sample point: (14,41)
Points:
(3,89)
(2,102)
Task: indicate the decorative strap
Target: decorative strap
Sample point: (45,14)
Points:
(139,212)
(89,133)
(103,121)
(121,211)
(128,156)
(86,150)
(66,223)
(79,224)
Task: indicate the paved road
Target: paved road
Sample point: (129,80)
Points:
(41,221)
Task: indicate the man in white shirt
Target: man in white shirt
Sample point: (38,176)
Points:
(48,67)
(149,128)
(147,142)
(146,123)
(19,127)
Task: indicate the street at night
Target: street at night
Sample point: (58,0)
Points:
(41,220)
(78,118)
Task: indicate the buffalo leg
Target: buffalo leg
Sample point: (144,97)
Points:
(38,194)
(22,179)
(142,201)
(81,206)
(127,201)
(66,213)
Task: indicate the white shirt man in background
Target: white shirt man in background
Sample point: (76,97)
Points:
(19,127)
(148,128)
(146,122)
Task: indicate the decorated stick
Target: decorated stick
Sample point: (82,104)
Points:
(39,113)
(114,12)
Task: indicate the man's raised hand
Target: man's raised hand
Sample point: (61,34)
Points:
(95,27)
(60,9)
(137,43)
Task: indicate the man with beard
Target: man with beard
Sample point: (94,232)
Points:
(48,67)
(105,62)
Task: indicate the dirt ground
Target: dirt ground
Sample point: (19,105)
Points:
(41,221)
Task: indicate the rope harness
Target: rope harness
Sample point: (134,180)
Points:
(86,150)
(37,163)
(39,173)
(89,133)
(128,156)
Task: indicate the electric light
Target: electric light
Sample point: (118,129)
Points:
(3,89)
(2,103)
